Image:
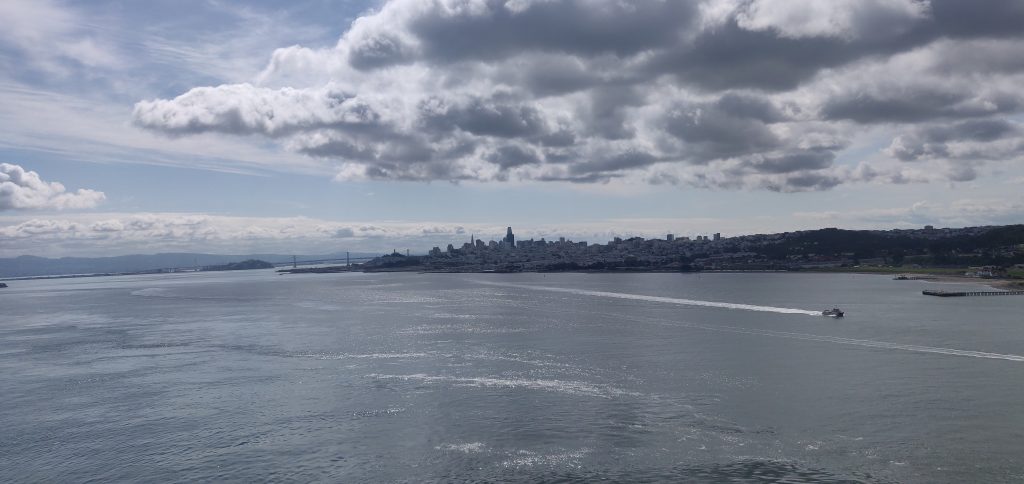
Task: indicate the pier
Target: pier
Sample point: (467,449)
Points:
(927,292)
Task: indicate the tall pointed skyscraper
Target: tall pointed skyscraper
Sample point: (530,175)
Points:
(510,239)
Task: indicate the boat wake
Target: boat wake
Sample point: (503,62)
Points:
(669,300)
(570,387)
(854,342)
(765,332)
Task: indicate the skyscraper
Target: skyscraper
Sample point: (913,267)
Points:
(510,240)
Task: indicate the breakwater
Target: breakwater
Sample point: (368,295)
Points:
(927,292)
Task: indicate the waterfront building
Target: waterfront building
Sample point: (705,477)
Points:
(510,239)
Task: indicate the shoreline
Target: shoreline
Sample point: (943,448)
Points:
(995,283)
(926,275)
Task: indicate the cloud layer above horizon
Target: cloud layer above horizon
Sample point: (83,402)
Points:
(96,234)
(742,94)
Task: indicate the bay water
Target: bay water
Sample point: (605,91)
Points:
(251,376)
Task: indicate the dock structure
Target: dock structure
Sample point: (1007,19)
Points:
(928,292)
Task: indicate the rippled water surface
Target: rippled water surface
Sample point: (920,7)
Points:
(252,376)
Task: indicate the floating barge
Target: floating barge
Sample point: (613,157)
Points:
(927,292)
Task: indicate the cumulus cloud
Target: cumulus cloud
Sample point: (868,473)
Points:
(754,94)
(245,109)
(987,139)
(21,189)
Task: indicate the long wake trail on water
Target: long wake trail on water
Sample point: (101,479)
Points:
(669,300)
(855,342)
(764,332)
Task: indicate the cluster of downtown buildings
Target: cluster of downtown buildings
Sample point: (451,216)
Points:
(508,254)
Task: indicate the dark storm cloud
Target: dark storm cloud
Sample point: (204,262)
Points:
(916,104)
(731,57)
(805,182)
(380,50)
(961,173)
(997,56)
(437,170)
(598,177)
(395,150)
(340,148)
(487,30)
(712,133)
(747,106)
(605,114)
(560,138)
(979,130)
(512,156)
(482,117)
(712,93)
(614,163)
(983,18)
(988,139)
(793,162)
(547,76)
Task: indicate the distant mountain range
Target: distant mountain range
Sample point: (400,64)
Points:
(31,266)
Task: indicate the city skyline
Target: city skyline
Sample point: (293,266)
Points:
(989,251)
(315,126)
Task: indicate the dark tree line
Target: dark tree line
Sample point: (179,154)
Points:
(989,247)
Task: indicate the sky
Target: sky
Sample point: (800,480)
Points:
(315,126)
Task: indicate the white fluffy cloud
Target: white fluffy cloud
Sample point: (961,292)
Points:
(21,189)
(760,94)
